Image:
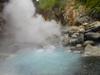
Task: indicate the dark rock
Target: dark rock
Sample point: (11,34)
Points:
(92,35)
(77,38)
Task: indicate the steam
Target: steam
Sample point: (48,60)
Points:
(26,26)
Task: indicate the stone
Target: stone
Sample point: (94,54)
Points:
(65,39)
(73,41)
(74,35)
(83,19)
(94,26)
(76,38)
(79,45)
(73,29)
(88,42)
(78,48)
(91,51)
(92,35)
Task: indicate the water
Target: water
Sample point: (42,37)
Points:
(89,66)
(42,62)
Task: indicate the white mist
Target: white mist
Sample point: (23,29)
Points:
(25,25)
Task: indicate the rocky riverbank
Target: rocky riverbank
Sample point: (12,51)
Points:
(84,38)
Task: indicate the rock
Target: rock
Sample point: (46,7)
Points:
(78,48)
(91,51)
(76,38)
(73,29)
(94,27)
(79,45)
(88,42)
(76,29)
(73,48)
(95,24)
(74,35)
(84,24)
(73,41)
(65,39)
(81,29)
(82,19)
(92,35)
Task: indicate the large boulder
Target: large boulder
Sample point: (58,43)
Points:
(91,51)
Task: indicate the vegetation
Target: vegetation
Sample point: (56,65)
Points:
(50,4)
(52,9)
(58,9)
(92,7)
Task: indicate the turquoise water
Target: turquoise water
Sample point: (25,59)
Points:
(43,62)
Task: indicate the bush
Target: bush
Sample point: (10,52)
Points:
(93,6)
(50,4)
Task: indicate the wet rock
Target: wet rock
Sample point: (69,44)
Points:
(73,41)
(78,48)
(77,38)
(92,35)
(88,42)
(73,29)
(79,45)
(74,36)
(65,40)
(94,27)
(91,51)
(81,29)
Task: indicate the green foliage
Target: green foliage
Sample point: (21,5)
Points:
(47,4)
(50,4)
(52,9)
(91,5)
